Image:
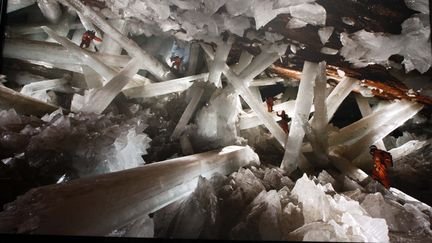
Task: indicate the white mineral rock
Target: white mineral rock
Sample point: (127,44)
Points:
(301,116)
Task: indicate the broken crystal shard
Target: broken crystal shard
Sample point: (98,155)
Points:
(301,116)
(363,48)
(264,12)
(251,185)
(121,196)
(329,51)
(397,217)
(313,199)
(407,148)
(325,33)
(60,85)
(295,23)
(269,223)
(24,104)
(129,152)
(310,13)
(196,213)
(372,229)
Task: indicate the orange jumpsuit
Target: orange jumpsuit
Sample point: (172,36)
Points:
(270,101)
(87,37)
(382,160)
(176,62)
(283,123)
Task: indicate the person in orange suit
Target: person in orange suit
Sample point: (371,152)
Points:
(176,62)
(382,161)
(270,101)
(283,123)
(87,37)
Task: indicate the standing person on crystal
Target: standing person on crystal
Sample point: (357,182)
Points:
(87,37)
(270,101)
(382,160)
(283,123)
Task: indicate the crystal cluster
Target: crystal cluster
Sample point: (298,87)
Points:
(261,203)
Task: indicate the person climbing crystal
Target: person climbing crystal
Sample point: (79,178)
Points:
(382,160)
(87,37)
(270,102)
(283,123)
(176,62)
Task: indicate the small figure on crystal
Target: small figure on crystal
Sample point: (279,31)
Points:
(87,37)
(270,101)
(283,123)
(382,160)
(176,62)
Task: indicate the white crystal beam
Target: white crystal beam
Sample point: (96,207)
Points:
(193,59)
(50,9)
(301,115)
(358,129)
(250,99)
(54,53)
(408,148)
(244,61)
(106,72)
(266,81)
(98,205)
(221,55)
(109,45)
(319,121)
(366,110)
(23,104)
(165,87)
(101,98)
(27,29)
(13,5)
(339,93)
(60,85)
(152,65)
(380,132)
(187,114)
(251,120)
(268,55)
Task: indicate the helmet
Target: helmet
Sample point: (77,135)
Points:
(372,148)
